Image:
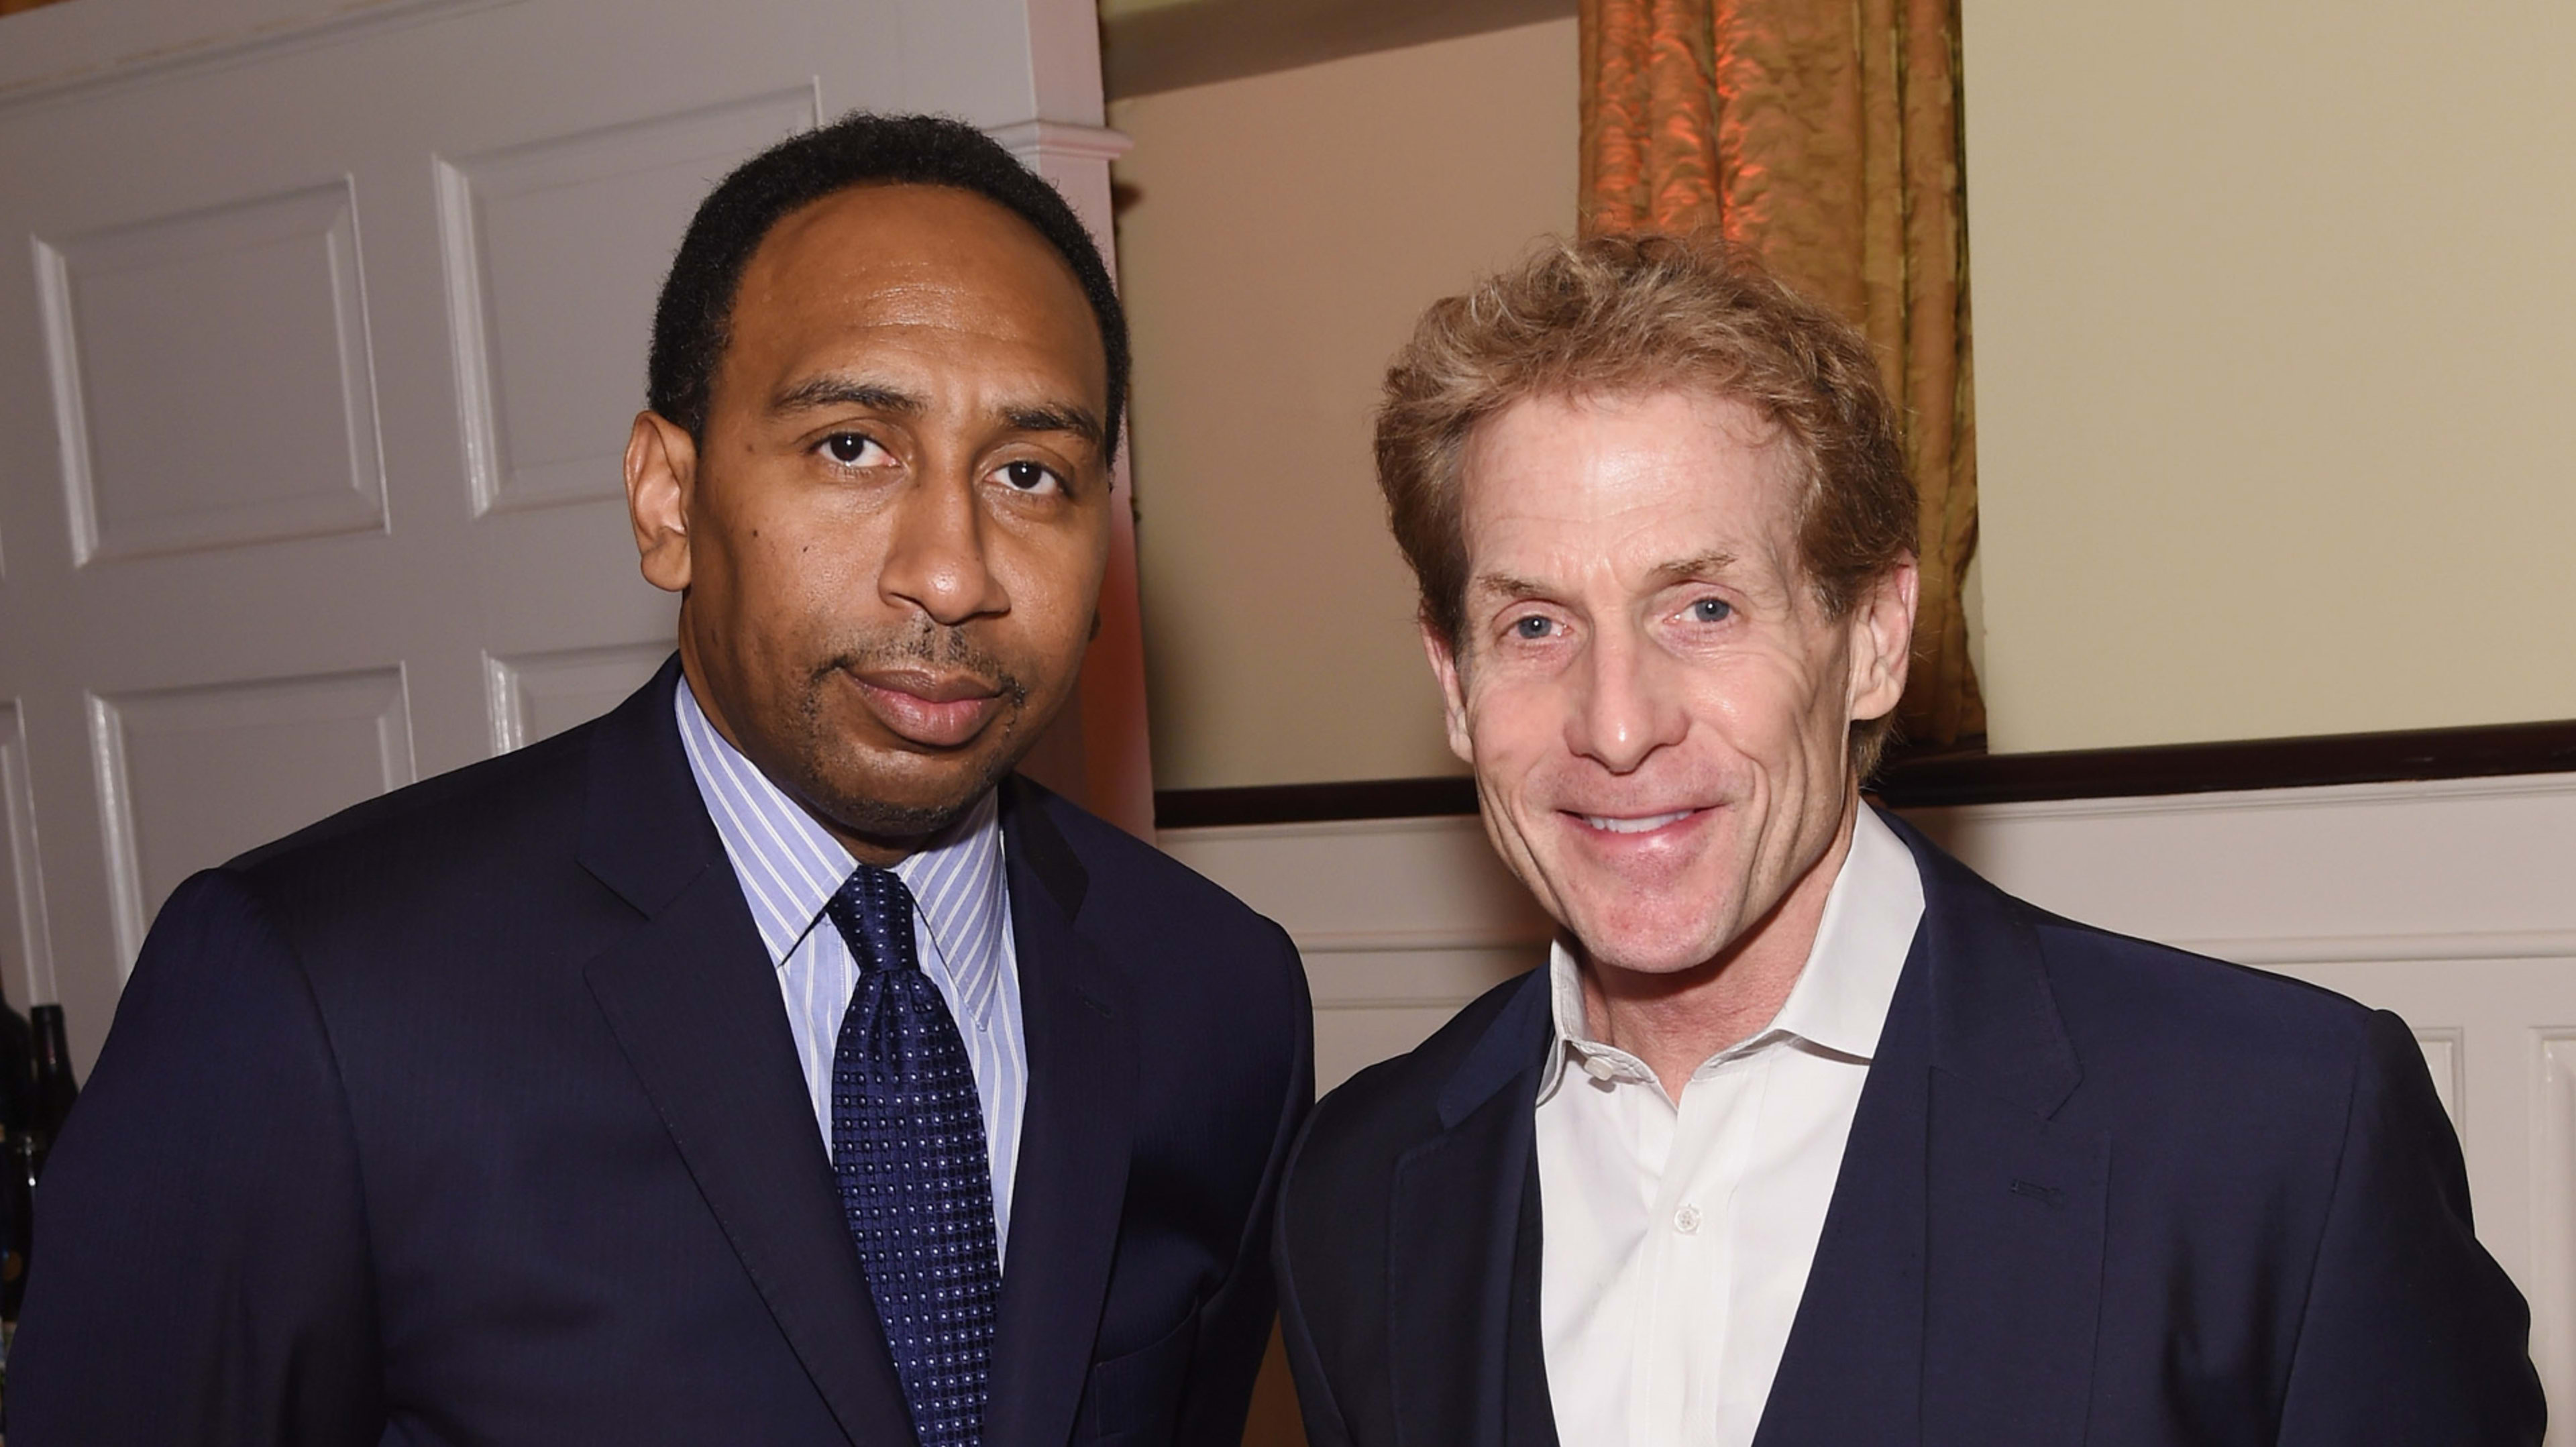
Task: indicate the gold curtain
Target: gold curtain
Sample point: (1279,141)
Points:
(1825,136)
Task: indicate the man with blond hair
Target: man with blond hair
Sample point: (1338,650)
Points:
(1806,1134)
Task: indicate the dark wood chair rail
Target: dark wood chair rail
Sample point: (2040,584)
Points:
(1914,780)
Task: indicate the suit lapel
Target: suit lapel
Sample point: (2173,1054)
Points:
(1852,1366)
(1529,1412)
(2015,1272)
(694,1005)
(2014,1219)
(1960,1268)
(1454,1230)
(1071,1179)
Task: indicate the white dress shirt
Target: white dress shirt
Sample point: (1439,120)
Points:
(789,866)
(1679,1236)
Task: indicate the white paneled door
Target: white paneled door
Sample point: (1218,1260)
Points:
(321,324)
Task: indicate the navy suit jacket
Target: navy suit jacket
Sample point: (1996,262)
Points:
(472,1115)
(2096,1191)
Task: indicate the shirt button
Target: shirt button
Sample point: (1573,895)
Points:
(1686,1220)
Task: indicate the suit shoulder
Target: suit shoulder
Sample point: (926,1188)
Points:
(1365,1124)
(1140,888)
(2172,986)
(2149,1014)
(2169,1021)
(448,838)
(1197,958)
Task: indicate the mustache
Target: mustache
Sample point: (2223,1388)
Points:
(926,643)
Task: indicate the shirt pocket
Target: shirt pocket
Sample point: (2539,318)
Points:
(1134,1400)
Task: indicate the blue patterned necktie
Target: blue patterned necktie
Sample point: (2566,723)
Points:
(916,1184)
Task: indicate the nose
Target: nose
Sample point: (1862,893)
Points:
(935,558)
(1627,704)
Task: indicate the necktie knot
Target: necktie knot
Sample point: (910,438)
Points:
(873,911)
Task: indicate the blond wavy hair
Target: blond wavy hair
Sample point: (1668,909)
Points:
(1636,314)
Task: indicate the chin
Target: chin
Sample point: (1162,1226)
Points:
(895,796)
(1651,941)
(1650,956)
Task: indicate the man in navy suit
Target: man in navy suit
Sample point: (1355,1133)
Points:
(1806,1134)
(763,1062)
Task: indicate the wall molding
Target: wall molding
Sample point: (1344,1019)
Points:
(1061,140)
(1263,804)
(2440,947)
(2483,751)
(1420,941)
(2081,778)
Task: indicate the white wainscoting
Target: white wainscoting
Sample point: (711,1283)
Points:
(2453,904)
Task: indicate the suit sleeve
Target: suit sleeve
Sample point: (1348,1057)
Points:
(2411,1333)
(200,1268)
(1234,1324)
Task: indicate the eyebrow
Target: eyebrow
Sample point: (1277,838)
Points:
(1702,565)
(1043,417)
(838,391)
(832,391)
(1504,585)
(1680,570)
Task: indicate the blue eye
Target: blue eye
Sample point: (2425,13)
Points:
(1711,610)
(1531,627)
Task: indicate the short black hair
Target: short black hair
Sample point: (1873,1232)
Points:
(691,323)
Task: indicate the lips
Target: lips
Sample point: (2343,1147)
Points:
(934,710)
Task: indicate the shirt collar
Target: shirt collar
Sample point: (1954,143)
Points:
(790,865)
(1839,1003)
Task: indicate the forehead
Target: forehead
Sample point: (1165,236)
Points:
(929,265)
(1643,478)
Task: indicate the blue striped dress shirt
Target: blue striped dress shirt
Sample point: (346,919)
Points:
(789,865)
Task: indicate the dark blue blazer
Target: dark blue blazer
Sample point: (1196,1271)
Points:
(472,1115)
(2096,1191)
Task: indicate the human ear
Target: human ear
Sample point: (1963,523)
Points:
(1453,695)
(1882,640)
(661,474)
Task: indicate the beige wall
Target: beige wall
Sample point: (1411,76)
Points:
(2276,340)
(2276,355)
(1283,233)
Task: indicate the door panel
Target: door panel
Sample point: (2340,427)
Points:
(548,363)
(192,774)
(23,931)
(537,695)
(245,321)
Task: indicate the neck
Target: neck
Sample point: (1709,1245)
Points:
(1674,1022)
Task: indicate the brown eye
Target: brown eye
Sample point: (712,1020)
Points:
(849,448)
(1029,476)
